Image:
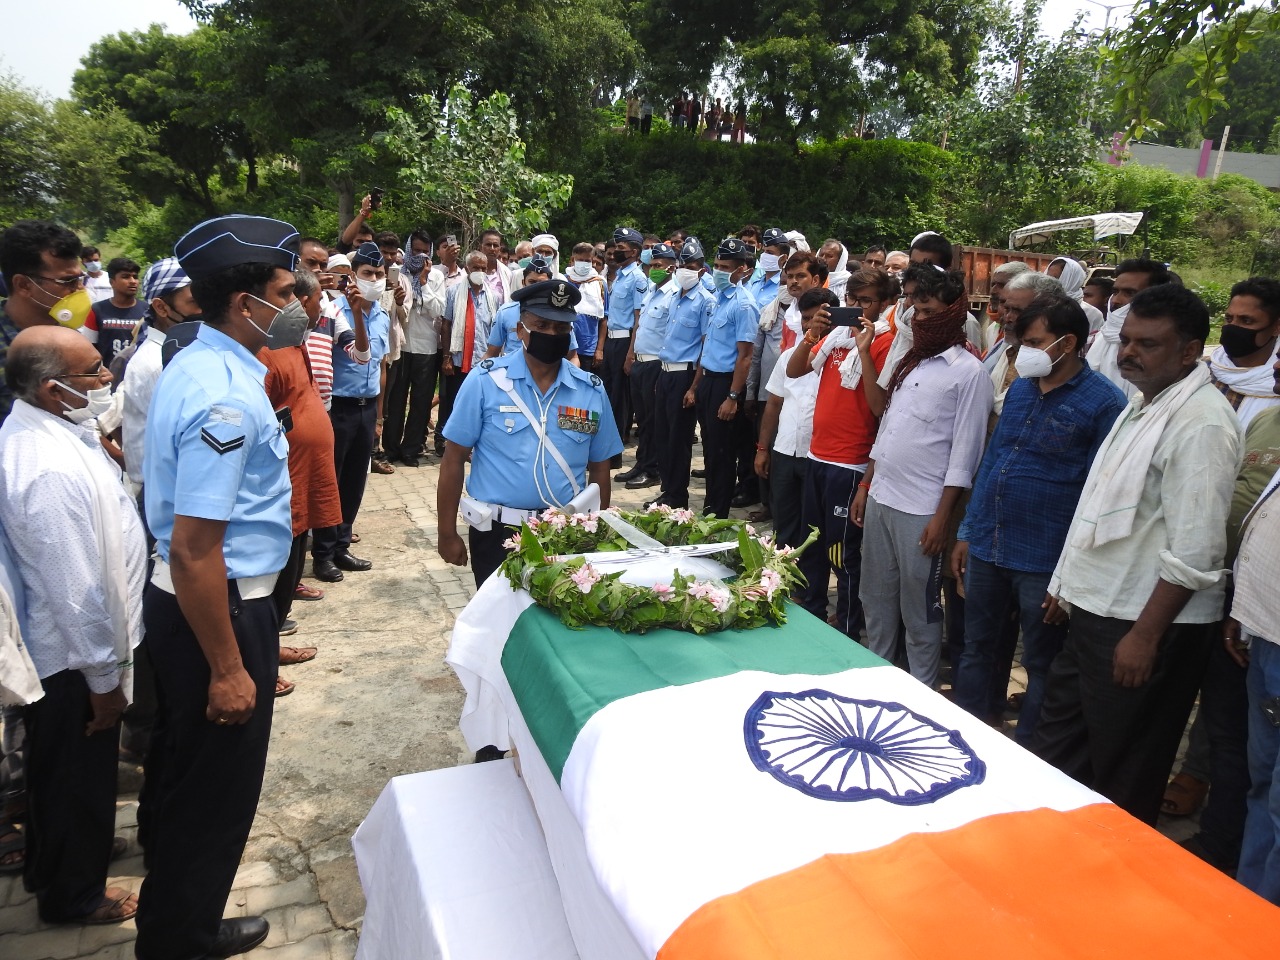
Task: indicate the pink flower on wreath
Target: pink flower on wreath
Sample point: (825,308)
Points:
(664,591)
(585,577)
(658,508)
(682,515)
(558,520)
(590,524)
(770,580)
(511,543)
(718,597)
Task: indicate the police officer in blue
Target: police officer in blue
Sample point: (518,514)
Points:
(504,337)
(721,380)
(674,416)
(622,309)
(358,376)
(217,500)
(537,428)
(643,366)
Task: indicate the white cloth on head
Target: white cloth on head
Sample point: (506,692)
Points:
(1254,385)
(338,260)
(1104,354)
(838,278)
(1110,498)
(79,544)
(545,240)
(1073,277)
(797,240)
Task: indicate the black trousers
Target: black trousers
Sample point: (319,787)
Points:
(140,715)
(1120,741)
(644,397)
(828,494)
(208,776)
(1224,708)
(616,383)
(450,384)
(71,797)
(487,551)
(719,454)
(290,577)
(747,484)
(673,434)
(354,422)
(787,475)
(411,394)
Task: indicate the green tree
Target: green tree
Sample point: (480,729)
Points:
(27,171)
(464,163)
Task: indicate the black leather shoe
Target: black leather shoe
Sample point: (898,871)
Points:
(641,480)
(489,754)
(626,475)
(326,571)
(409,461)
(345,561)
(698,474)
(239,935)
(743,500)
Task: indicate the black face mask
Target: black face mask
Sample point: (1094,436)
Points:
(1238,341)
(547,347)
(621,256)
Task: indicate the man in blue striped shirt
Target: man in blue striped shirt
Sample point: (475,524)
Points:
(1056,415)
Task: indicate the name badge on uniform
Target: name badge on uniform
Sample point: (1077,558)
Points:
(578,419)
(508,408)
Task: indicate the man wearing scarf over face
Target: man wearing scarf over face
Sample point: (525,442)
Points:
(925,455)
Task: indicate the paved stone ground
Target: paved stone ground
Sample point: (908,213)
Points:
(377,702)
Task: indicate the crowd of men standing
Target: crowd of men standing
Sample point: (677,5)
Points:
(1067,472)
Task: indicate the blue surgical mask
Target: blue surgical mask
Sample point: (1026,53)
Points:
(646,256)
(723,279)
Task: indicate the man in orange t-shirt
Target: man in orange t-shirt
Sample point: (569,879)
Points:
(847,360)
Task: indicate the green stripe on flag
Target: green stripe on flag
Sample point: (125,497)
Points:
(561,677)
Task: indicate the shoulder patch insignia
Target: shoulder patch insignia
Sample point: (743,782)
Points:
(221,447)
(487,364)
(596,381)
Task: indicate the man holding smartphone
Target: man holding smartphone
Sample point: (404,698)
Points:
(846,359)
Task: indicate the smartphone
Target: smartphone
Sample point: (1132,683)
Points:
(393,274)
(375,198)
(451,240)
(845,316)
(342,281)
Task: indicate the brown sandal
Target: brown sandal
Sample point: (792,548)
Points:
(293,655)
(1183,796)
(284,687)
(115,908)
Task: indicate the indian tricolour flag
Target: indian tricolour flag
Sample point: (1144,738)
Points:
(783,793)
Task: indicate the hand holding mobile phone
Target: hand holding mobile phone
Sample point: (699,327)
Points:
(845,316)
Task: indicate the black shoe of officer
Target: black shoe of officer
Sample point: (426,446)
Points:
(326,571)
(239,935)
(641,480)
(743,500)
(345,561)
(409,460)
(626,475)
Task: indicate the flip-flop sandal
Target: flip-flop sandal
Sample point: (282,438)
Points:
(1183,796)
(292,655)
(112,910)
(760,516)
(16,843)
(284,687)
(355,538)
(304,592)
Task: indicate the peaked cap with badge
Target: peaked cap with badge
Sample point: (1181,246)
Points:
(549,299)
(690,251)
(628,235)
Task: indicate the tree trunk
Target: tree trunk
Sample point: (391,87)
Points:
(251,161)
(346,203)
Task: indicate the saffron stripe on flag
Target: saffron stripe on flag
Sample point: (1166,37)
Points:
(561,677)
(1046,884)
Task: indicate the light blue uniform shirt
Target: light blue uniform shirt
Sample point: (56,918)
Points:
(763,289)
(506,467)
(504,334)
(690,313)
(351,379)
(215,451)
(734,321)
(655,314)
(625,296)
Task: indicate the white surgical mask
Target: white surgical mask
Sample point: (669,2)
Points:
(1034,362)
(94,266)
(580,270)
(99,402)
(477,277)
(687,279)
(371,290)
(770,262)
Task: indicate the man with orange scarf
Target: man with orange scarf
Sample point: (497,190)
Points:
(925,455)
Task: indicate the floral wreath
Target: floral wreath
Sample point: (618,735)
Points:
(546,560)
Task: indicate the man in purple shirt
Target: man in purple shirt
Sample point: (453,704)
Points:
(925,455)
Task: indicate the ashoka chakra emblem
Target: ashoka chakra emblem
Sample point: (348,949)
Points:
(837,748)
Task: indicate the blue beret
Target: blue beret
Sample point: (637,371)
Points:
(628,235)
(225,242)
(774,237)
(731,248)
(368,252)
(662,251)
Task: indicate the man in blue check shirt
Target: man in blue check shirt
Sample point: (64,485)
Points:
(674,415)
(358,378)
(643,366)
(518,466)
(627,287)
(1055,417)
(721,379)
(218,502)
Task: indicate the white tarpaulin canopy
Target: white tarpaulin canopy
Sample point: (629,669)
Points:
(1102,225)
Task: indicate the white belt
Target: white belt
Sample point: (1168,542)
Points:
(481,514)
(646,357)
(619,334)
(676,367)
(251,588)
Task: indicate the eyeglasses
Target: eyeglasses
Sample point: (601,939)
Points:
(863,302)
(70,284)
(96,373)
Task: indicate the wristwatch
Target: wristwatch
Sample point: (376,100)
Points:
(735,396)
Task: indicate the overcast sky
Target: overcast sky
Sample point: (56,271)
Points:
(44,53)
